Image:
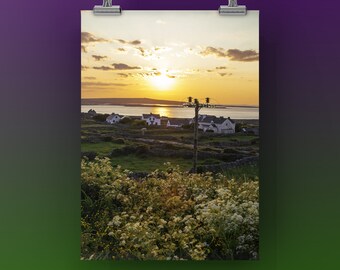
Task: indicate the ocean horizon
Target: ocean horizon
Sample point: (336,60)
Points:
(234,112)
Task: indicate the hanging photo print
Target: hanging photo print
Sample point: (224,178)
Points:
(170,136)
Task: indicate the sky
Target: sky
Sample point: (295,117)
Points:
(171,55)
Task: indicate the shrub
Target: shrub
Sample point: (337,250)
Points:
(170,215)
(100,117)
(89,155)
(107,138)
(126,120)
(188,126)
(139,123)
(118,140)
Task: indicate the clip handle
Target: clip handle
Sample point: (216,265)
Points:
(107,9)
(232,9)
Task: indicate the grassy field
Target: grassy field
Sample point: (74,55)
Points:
(137,164)
(102,139)
(101,148)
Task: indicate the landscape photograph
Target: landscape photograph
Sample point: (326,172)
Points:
(169,136)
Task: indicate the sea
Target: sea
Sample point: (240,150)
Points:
(175,112)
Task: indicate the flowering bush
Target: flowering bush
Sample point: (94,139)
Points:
(170,215)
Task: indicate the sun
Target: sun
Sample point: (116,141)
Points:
(162,81)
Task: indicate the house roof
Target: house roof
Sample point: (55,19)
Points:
(231,120)
(213,118)
(178,121)
(91,111)
(219,120)
(201,117)
(151,114)
(112,116)
(208,119)
(117,114)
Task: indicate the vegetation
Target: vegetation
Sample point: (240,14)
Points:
(169,215)
(125,144)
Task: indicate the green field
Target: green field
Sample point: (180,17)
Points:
(101,148)
(101,139)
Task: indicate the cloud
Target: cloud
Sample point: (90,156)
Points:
(142,51)
(171,76)
(132,42)
(225,74)
(87,37)
(160,22)
(98,57)
(219,52)
(124,75)
(83,48)
(232,54)
(121,49)
(101,84)
(84,67)
(90,78)
(153,52)
(243,56)
(105,68)
(121,66)
(221,67)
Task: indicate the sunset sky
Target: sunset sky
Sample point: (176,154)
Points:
(171,55)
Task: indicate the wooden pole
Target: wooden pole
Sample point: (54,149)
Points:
(195,137)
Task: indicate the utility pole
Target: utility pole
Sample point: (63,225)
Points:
(197,106)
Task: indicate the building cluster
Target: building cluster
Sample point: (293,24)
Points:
(206,123)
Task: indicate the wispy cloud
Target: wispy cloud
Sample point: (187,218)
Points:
(116,66)
(232,54)
(98,57)
(142,51)
(221,67)
(132,42)
(83,48)
(243,56)
(225,74)
(84,67)
(87,37)
(89,77)
(121,66)
(101,84)
(123,75)
(219,52)
(105,68)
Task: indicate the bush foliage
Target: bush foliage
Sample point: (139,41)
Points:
(170,215)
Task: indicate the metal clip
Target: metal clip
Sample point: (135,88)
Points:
(107,9)
(232,9)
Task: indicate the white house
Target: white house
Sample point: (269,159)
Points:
(114,118)
(152,119)
(176,122)
(210,123)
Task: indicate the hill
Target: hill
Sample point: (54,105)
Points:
(128,101)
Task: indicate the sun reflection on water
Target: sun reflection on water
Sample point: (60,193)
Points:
(162,111)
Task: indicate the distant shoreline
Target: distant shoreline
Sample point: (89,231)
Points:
(145,102)
(221,106)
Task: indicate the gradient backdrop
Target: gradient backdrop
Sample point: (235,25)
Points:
(40,131)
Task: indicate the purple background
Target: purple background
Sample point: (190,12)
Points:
(299,116)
